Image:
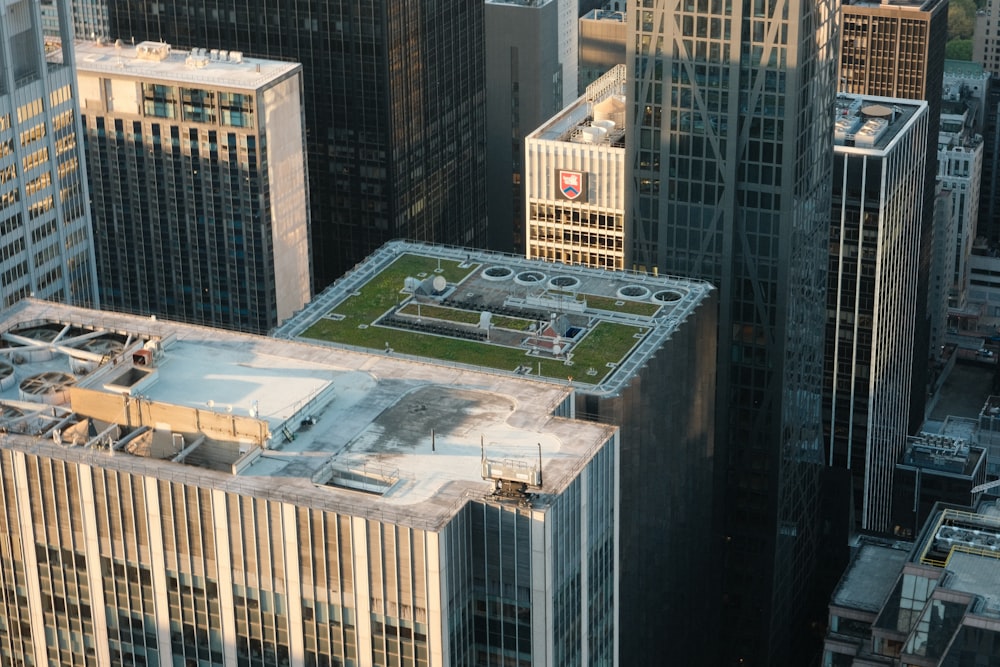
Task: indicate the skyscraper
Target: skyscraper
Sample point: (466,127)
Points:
(89,18)
(896,49)
(201,496)
(639,351)
(46,247)
(729,157)
(874,248)
(197,171)
(395,109)
(531,64)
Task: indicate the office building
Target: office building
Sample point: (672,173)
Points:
(989,434)
(932,602)
(878,167)
(942,268)
(969,83)
(986,38)
(172,494)
(396,111)
(728,165)
(989,189)
(199,193)
(625,342)
(602,42)
(574,175)
(896,49)
(89,18)
(944,466)
(531,65)
(960,166)
(46,244)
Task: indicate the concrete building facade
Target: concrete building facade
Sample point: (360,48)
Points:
(575,180)
(199,188)
(316,507)
(872,295)
(46,242)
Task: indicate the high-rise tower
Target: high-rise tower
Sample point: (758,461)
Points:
(46,247)
(395,110)
(730,159)
(897,50)
(872,295)
(197,172)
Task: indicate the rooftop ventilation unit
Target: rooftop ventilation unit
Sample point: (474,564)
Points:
(152,51)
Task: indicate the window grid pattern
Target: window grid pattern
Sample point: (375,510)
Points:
(396,116)
(730,182)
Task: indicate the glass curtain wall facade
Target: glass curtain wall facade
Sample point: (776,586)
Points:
(871,301)
(395,109)
(729,152)
(897,50)
(46,245)
(90,18)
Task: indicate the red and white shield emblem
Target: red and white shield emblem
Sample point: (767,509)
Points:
(571,184)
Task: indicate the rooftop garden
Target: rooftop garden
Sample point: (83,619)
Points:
(590,360)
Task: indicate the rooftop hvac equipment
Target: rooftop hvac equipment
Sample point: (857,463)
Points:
(590,135)
(871,132)
(433,286)
(236,56)
(51,387)
(6,375)
(611,108)
(152,51)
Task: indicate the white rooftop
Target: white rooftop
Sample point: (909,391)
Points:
(410,435)
(157,60)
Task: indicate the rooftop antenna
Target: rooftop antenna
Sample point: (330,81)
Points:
(511,478)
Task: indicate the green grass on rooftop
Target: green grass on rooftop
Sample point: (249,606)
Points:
(627,306)
(606,343)
(463,316)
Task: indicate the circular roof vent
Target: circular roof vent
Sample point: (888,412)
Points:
(497,273)
(104,346)
(668,296)
(529,278)
(6,375)
(51,387)
(633,292)
(564,282)
(876,111)
(39,335)
(10,412)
